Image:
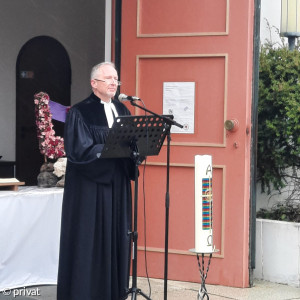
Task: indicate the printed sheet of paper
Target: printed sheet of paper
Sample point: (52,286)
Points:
(179,101)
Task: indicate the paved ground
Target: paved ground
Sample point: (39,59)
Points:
(177,290)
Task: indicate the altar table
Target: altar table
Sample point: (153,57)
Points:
(29,236)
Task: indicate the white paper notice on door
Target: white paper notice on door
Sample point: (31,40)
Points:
(179,101)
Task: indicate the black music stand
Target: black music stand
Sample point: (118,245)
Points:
(136,137)
(130,133)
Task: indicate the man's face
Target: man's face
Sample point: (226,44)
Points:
(107,88)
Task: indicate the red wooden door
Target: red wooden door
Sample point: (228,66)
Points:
(208,43)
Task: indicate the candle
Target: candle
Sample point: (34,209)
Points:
(203,204)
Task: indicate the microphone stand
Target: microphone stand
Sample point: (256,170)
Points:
(170,122)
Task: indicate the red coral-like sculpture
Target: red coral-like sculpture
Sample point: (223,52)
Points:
(50,146)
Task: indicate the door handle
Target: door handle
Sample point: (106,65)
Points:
(231,125)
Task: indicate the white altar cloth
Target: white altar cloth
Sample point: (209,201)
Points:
(29,236)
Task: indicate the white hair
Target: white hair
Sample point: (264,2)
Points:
(98,66)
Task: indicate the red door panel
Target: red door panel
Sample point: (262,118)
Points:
(208,42)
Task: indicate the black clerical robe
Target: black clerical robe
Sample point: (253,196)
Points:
(96,216)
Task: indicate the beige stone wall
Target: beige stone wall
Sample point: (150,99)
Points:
(77,24)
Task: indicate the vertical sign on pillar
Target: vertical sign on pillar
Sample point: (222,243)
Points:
(203,204)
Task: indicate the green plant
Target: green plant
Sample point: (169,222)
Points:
(281,212)
(287,209)
(278,144)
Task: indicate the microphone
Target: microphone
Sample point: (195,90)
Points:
(123,97)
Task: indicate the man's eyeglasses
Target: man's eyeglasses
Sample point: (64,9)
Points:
(112,80)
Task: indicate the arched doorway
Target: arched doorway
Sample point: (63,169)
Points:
(42,65)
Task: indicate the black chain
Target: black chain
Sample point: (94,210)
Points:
(202,291)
